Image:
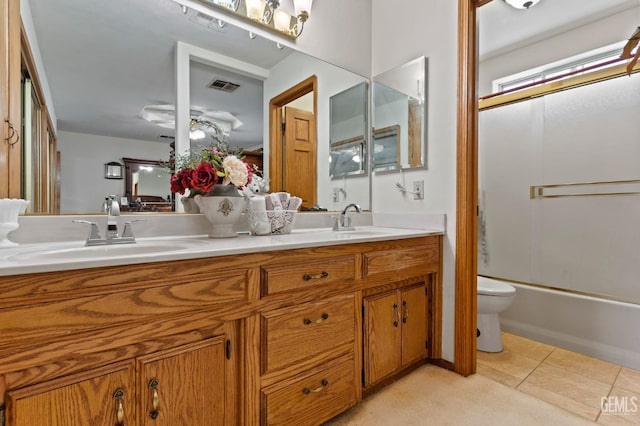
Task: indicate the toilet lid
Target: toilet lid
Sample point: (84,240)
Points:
(491,287)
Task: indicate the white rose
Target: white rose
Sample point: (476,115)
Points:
(235,171)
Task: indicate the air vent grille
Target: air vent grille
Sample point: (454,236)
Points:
(225,86)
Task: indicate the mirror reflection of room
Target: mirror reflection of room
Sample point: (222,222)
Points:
(399,117)
(92,124)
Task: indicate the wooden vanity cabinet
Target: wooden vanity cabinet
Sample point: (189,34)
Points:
(150,344)
(100,397)
(292,337)
(180,386)
(395,331)
(309,369)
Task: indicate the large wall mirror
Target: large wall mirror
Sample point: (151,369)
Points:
(103,62)
(399,139)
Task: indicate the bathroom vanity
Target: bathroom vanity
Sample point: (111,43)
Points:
(290,329)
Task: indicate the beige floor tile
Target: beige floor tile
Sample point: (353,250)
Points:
(497,375)
(518,366)
(526,347)
(587,366)
(567,385)
(568,404)
(613,420)
(629,379)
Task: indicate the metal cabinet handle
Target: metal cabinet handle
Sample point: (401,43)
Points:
(118,395)
(155,399)
(324,383)
(396,314)
(13,133)
(322,318)
(405,311)
(308,277)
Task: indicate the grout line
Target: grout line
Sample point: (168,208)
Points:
(610,390)
(536,367)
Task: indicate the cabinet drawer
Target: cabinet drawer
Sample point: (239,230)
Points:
(422,258)
(312,399)
(293,276)
(298,333)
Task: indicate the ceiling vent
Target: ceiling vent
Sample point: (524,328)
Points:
(225,86)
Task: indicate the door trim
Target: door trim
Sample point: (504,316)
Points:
(466,191)
(275,120)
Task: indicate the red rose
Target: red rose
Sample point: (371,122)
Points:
(204,177)
(181,181)
(249,173)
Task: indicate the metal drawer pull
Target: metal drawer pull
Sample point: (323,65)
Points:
(155,399)
(322,318)
(307,391)
(396,314)
(118,395)
(308,277)
(405,315)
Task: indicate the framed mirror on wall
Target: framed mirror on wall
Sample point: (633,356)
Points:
(400,117)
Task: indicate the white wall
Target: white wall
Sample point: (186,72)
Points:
(331,80)
(83,186)
(399,35)
(338,32)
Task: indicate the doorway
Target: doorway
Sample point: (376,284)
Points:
(293,143)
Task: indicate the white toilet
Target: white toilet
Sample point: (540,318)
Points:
(494,296)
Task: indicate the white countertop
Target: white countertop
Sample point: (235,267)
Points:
(60,256)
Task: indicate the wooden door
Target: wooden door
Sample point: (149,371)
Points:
(101,397)
(300,168)
(414,324)
(184,385)
(381,336)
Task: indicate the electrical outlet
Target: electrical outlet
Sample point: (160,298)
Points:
(418,190)
(335,195)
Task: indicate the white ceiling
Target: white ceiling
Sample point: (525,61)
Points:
(106,59)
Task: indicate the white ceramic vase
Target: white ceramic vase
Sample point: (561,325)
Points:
(223,207)
(10,208)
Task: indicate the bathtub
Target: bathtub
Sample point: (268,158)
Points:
(600,328)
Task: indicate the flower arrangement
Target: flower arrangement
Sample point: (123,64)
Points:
(214,165)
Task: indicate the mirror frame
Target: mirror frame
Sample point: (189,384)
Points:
(131,166)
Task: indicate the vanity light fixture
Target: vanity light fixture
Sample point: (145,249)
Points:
(522,4)
(266,13)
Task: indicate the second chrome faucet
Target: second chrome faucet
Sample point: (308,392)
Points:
(343,222)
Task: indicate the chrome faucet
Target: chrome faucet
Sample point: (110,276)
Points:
(112,209)
(343,222)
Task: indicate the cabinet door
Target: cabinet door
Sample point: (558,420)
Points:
(414,324)
(381,335)
(101,397)
(183,386)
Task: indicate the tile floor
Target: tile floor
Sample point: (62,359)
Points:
(572,381)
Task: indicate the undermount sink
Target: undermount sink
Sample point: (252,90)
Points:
(110,250)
